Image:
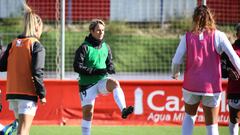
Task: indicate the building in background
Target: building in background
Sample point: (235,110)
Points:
(10,8)
(124,10)
(150,10)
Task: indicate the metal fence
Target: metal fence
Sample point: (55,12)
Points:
(143,34)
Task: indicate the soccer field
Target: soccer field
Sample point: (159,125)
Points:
(119,130)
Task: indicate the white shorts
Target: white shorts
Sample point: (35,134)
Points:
(20,106)
(209,101)
(89,95)
(234,103)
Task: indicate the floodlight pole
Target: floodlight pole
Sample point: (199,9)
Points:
(62,73)
(161,13)
(204,2)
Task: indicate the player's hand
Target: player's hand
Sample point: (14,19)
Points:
(1,47)
(43,101)
(233,75)
(111,71)
(175,76)
(99,71)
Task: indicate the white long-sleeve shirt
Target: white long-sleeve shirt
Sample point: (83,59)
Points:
(222,44)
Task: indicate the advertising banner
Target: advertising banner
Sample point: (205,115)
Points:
(155,102)
(161,102)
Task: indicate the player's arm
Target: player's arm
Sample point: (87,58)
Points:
(4,58)
(0,100)
(109,62)
(226,46)
(228,70)
(79,66)
(1,47)
(38,62)
(224,65)
(178,58)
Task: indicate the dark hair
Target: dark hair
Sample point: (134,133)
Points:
(94,23)
(237,27)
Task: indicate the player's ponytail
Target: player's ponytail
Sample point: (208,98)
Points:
(31,20)
(203,19)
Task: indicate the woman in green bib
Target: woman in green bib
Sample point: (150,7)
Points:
(93,62)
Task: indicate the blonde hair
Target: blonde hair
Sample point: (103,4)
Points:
(203,19)
(94,23)
(31,20)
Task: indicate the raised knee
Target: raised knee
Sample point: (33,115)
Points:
(112,84)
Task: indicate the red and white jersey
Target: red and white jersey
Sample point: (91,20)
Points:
(233,89)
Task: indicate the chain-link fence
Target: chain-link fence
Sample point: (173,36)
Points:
(143,34)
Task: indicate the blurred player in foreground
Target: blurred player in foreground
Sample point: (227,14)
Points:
(233,89)
(11,128)
(202,46)
(24,61)
(93,62)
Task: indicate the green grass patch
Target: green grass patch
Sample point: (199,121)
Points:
(119,130)
(131,53)
(135,49)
